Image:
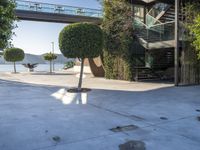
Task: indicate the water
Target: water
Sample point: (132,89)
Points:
(21,68)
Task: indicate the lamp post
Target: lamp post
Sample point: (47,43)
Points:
(53,53)
(176,70)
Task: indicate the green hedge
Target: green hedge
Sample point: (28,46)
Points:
(119,51)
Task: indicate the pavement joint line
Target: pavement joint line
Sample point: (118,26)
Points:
(120,114)
(179,134)
(169,121)
(72,142)
(147,122)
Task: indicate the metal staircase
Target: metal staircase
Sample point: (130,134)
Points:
(169,15)
(158,30)
(155,36)
(156,33)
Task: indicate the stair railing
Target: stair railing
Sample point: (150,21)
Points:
(156,12)
(155,33)
(165,30)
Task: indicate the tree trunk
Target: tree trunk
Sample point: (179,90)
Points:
(50,66)
(81,75)
(15,68)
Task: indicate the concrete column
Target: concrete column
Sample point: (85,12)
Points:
(176,72)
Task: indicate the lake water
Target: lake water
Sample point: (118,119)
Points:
(21,68)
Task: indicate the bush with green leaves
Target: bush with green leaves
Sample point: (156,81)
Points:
(119,50)
(7,18)
(50,57)
(192,25)
(13,55)
(81,40)
(195,29)
(69,64)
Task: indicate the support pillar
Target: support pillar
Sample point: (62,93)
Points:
(176,63)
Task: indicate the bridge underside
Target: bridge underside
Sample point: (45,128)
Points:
(56,18)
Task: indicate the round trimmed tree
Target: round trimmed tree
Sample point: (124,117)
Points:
(81,40)
(13,55)
(50,57)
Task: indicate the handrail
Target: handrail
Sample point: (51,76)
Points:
(141,22)
(152,17)
(159,12)
(155,33)
(162,24)
(57,5)
(155,24)
(57,9)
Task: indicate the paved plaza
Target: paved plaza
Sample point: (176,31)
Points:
(37,113)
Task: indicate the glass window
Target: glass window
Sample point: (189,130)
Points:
(139,12)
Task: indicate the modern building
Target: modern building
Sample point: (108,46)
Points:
(159,30)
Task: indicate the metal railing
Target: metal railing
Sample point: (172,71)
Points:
(155,33)
(57,9)
(152,17)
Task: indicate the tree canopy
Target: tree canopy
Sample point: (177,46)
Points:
(50,56)
(13,54)
(81,40)
(7,18)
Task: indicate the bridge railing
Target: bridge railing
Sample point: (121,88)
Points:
(57,9)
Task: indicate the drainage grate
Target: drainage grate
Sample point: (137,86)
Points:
(163,118)
(198,118)
(124,128)
(132,145)
(56,138)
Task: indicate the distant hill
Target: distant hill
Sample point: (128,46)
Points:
(30,58)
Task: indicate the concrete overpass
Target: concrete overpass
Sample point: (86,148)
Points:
(36,11)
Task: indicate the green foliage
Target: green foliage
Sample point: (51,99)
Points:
(50,56)
(195,29)
(7,18)
(13,54)
(118,29)
(192,26)
(69,64)
(81,40)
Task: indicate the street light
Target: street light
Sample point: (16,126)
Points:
(53,53)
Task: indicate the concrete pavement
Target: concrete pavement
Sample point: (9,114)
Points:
(36,113)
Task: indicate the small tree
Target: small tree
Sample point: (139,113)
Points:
(50,57)
(81,40)
(13,55)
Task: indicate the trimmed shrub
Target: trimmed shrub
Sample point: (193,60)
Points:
(50,57)
(13,55)
(81,40)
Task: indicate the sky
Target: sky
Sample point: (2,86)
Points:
(37,37)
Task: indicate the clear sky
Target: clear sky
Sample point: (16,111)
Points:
(36,37)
